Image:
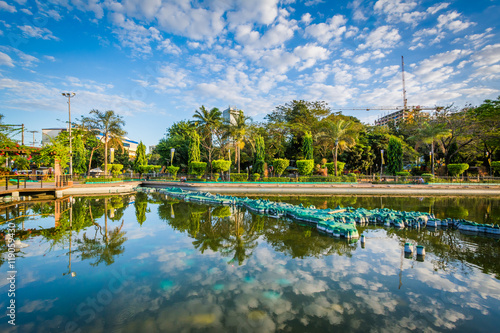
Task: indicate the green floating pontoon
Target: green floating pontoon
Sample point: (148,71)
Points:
(339,222)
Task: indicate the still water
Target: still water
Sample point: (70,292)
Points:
(146,263)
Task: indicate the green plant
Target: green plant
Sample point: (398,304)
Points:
(352,177)
(307,146)
(428,177)
(402,173)
(258,165)
(394,155)
(331,168)
(239,177)
(305,167)
(457,169)
(115,169)
(255,176)
(194,153)
(280,165)
(173,170)
(279,179)
(495,165)
(198,168)
(221,165)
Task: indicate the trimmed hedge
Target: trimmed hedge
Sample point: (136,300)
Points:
(198,168)
(331,168)
(221,165)
(280,179)
(280,165)
(305,167)
(457,169)
(173,170)
(239,177)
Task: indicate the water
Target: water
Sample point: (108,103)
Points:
(147,264)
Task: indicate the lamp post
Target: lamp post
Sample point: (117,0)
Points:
(229,151)
(172,151)
(69,95)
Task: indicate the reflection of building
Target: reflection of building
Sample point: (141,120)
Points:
(230,114)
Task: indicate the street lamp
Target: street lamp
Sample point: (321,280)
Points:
(172,151)
(69,95)
(229,151)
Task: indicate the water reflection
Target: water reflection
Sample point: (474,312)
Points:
(191,267)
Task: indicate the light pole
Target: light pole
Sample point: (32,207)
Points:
(69,95)
(229,151)
(172,151)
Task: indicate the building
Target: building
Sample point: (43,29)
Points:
(400,115)
(229,115)
(151,149)
(49,134)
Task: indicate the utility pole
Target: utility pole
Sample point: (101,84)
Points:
(69,95)
(33,137)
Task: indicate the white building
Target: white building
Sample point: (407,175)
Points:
(230,114)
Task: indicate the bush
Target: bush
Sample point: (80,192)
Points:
(198,168)
(173,170)
(331,168)
(402,173)
(352,177)
(416,171)
(255,176)
(239,177)
(280,165)
(495,165)
(305,167)
(457,169)
(279,179)
(428,177)
(102,180)
(221,165)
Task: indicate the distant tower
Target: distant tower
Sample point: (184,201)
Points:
(230,114)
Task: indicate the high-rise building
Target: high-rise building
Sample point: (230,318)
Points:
(230,114)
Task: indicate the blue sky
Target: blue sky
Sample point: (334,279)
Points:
(156,61)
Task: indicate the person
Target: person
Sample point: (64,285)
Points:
(421,180)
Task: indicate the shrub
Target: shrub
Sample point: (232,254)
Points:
(279,179)
(305,167)
(331,168)
(402,173)
(416,171)
(255,176)
(320,179)
(198,168)
(352,177)
(280,165)
(457,169)
(221,165)
(428,177)
(495,165)
(173,170)
(239,177)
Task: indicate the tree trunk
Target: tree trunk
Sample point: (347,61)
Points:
(335,159)
(432,159)
(106,155)
(238,158)
(90,161)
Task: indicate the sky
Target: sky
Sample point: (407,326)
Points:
(156,61)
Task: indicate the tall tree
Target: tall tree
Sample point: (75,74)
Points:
(340,135)
(194,149)
(236,132)
(431,133)
(394,155)
(307,146)
(140,161)
(209,123)
(259,155)
(109,125)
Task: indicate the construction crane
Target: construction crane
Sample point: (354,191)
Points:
(391,108)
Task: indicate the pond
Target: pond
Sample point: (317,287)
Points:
(148,263)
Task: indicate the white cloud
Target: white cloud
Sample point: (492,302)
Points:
(436,8)
(306,18)
(399,11)
(256,11)
(26,11)
(133,35)
(451,22)
(333,28)
(377,54)
(310,54)
(7,7)
(168,47)
(434,68)
(381,38)
(36,32)
(489,55)
(5,60)
(50,58)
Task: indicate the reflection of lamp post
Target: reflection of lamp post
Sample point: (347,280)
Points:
(73,274)
(172,151)
(69,95)
(381,162)
(229,151)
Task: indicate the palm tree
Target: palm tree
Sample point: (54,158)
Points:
(109,125)
(209,122)
(340,135)
(236,130)
(430,133)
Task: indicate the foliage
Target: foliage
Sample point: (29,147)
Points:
(239,177)
(331,168)
(403,173)
(255,176)
(178,136)
(457,169)
(194,149)
(305,167)
(495,165)
(221,165)
(209,125)
(21,163)
(173,170)
(280,165)
(80,154)
(280,179)
(394,155)
(258,166)
(198,168)
(307,146)
(140,158)
(115,169)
